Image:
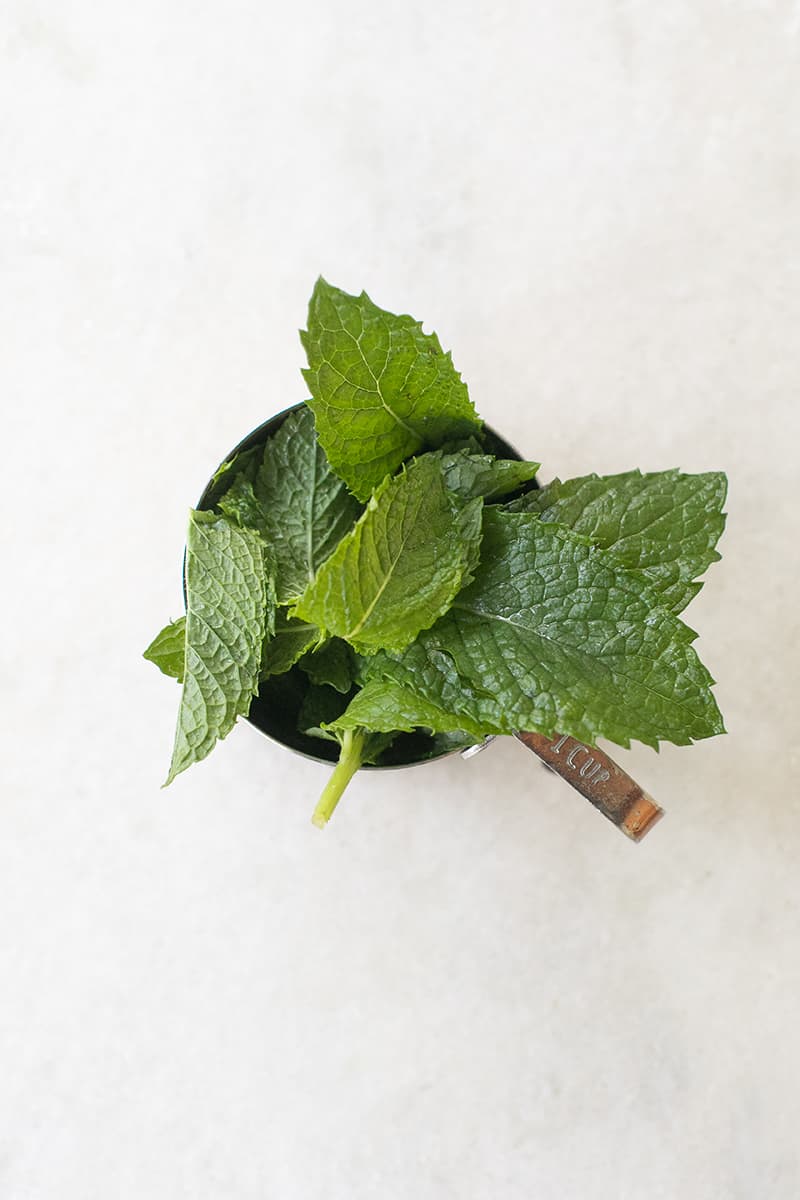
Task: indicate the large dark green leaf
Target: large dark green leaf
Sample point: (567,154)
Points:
(554,636)
(664,524)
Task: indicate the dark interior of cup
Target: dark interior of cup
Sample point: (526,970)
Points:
(274,711)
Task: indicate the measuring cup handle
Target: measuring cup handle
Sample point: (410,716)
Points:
(597,777)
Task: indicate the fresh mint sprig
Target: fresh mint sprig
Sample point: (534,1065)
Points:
(381,389)
(379,559)
(401,565)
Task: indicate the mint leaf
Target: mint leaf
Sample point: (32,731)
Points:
(400,567)
(167,649)
(384,706)
(381,388)
(552,635)
(242,465)
(470,445)
(320,708)
(332,664)
(472,475)
(225,619)
(664,524)
(289,643)
(239,504)
(429,674)
(296,502)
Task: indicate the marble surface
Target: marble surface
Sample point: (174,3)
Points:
(470,985)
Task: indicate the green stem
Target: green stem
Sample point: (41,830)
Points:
(350,759)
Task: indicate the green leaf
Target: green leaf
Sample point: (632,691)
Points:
(289,643)
(554,636)
(381,389)
(400,567)
(471,475)
(239,504)
(429,674)
(240,466)
(384,706)
(225,620)
(663,524)
(333,664)
(471,445)
(320,708)
(296,502)
(167,649)
(374,746)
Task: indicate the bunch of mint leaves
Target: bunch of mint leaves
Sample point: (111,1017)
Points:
(378,560)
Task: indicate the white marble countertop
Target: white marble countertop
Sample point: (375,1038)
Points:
(469,985)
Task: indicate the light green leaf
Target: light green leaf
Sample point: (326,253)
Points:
(554,636)
(400,567)
(381,389)
(471,475)
(225,620)
(429,674)
(167,649)
(383,706)
(297,503)
(240,506)
(663,524)
(289,643)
